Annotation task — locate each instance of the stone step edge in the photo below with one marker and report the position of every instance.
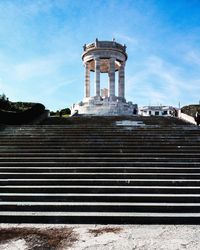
(100, 163)
(100, 168)
(104, 153)
(103, 173)
(109, 180)
(99, 195)
(97, 187)
(101, 214)
(35, 203)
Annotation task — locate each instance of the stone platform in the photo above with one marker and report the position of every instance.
(104, 107)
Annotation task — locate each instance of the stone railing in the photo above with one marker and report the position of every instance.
(105, 44)
(187, 118)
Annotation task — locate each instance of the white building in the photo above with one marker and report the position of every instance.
(158, 111)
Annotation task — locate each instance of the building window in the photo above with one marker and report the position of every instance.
(149, 112)
(156, 112)
(164, 112)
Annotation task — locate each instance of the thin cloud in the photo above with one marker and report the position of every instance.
(39, 67)
(126, 39)
(52, 88)
(161, 82)
(193, 57)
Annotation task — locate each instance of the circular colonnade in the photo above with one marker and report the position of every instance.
(105, 57)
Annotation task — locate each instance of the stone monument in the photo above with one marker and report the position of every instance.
(104, 57)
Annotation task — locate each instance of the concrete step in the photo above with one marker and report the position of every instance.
(100, 197)
(138, 207)
(99, 182)
(81, 163)
(101, 154)
(99, 217)
(98, 160)
(99, 143)
(109, 134)
(101, 150)
(83, 169)
(49, 175)
(99, 189)
(117, 148)
(95, 151)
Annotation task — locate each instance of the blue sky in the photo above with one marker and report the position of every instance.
(41, 45)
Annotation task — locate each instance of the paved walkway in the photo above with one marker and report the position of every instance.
(93, 237)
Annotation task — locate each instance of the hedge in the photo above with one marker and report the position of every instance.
(24, 117)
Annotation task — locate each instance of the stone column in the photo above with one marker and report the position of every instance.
(121, 81)
(112, 78)
(97, 77)
(87, 80)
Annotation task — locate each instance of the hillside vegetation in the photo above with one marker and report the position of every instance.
(6, 105)
(15, 113)
(191, 109)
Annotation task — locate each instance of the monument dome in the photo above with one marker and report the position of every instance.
(104, 57)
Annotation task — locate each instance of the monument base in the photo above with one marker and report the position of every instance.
(104, 107)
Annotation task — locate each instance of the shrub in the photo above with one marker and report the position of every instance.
(22, 117)
(65, 111)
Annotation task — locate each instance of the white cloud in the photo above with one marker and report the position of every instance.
(8, 90)
(36, 79)
(46, 65)
(125, 38)
(51, 89)
(161, 82)
(37, 67)
(31, 8)
(193, 57)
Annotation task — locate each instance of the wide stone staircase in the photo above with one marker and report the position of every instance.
(100, 170)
